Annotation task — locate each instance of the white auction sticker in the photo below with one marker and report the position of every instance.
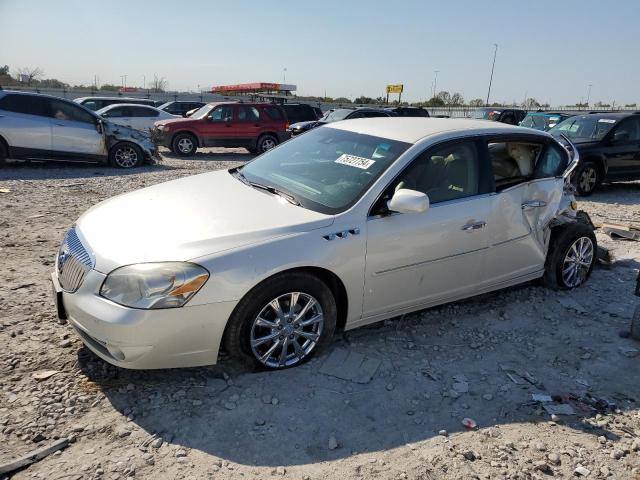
(606, 120)
(353, 161)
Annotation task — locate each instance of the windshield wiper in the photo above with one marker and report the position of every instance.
(268, 188)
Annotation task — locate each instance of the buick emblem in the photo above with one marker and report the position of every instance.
(63, 254)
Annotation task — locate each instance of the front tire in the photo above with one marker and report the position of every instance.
(282, 322)
(571, 256)
(587, 178)
(265, 143)
(125, 155)
(3, 154)
(184, 144)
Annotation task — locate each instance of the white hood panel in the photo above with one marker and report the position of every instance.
(188, 218)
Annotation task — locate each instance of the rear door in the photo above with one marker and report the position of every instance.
(25, 124)
(74, 130)
(143, 118)
(119, 115)
(528, 188)
(249, 124)
(622, 149)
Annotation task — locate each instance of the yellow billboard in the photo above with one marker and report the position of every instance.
(395, 88)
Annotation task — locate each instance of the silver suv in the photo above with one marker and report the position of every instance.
(41, 127)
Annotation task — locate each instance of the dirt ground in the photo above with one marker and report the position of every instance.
(480, 359)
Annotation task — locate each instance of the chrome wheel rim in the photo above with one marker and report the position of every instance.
(588, 179)
(126, 157)
(185, 145)
(268, 144)
(286, 330)
(577, 262)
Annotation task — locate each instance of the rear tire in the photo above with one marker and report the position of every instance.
(255, 319)
(265, 143)
(587, 178)
(125, 155)
(571, 256)
(184, 144)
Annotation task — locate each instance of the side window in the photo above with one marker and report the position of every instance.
(222, 114)
(143, 112)
(444, 173)
(552, 163)
(628, 130)
(31, 105)
(509, 117)
(512, 162)
(274, 113)
(91, 104)
(374, 114)
(67, 111)
(248, 114)
(117, 112)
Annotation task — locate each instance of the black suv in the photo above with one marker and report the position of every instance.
(180, 107)
(512, 116)
(300, 112)
(609, 147)
(337, 114)
(408, 111)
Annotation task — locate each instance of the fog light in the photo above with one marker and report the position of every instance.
(574, 205)
(115, 352)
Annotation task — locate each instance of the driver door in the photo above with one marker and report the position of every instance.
(418, 259)
(217, 128)
(74, 130)
(623, 150)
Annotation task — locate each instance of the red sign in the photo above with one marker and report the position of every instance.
(243, 87)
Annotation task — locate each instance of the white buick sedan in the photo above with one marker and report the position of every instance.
(346, 225)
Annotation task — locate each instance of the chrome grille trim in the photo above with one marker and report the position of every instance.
(73, 262)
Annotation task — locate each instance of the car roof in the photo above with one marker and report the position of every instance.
(32, 94)
(413, 129)
(616, 115)
(118, 105)
(114, 98)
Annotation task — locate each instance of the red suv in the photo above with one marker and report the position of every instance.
(255, 126)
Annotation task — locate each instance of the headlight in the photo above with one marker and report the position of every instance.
(154, 285)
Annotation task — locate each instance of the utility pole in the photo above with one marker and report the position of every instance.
(435, 82)
(588, 94)
(284, 75)
(495, 52)
(144, 81)
(124, 80)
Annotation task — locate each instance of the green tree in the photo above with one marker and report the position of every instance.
(4, 70)
(109, 88)
(364, 100)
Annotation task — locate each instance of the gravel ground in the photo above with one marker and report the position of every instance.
(480, 359)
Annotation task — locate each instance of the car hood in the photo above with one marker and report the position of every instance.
(302, 125)
(184, 122)
(188, 218)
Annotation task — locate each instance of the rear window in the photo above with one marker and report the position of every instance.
(28, 104)
(299, 113)
(274, 113)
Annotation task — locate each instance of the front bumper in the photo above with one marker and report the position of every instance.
(160, 137)
(283, 136)
(144, 339)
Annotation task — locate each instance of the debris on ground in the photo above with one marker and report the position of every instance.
(350, 365)
(33, 456)
(618, 231)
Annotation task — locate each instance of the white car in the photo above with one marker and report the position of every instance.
(140, 117)
(346, 225)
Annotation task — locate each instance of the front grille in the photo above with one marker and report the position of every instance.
(73, 262)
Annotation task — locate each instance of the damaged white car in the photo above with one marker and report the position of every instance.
(349, 224)
(41, 127)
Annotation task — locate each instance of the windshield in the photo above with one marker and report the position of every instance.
(591, 127)
(485, 114)
(201, 112)
(326, 169)
(540, 122)
(336, 115)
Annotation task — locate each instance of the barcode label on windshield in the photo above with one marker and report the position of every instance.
(353, 161)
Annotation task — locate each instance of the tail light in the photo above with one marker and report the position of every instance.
(286, 126)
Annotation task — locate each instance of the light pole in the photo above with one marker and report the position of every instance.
(144, 81)
(284, 75)
(588, 95)
(435, 82)
(495, 52)
(124, 80)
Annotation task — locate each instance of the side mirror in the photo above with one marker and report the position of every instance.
(408, 201)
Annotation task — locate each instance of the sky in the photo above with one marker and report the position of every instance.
(547, 49)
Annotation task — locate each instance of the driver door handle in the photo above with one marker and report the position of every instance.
(534, 204)
(473, 226)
